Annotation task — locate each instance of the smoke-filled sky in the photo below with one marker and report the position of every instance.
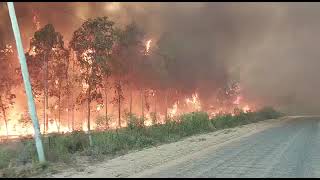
(272, 47)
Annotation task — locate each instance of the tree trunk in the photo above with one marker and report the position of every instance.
(55, 120)
(68, 102)
(5, 121)
(142, 106)
(88, 107)
(4, 116)
(44, 98)
(119, 106)
(106, 103)
(72, 119)
(166, 104)
(155, 108)
(59, 109)
(72, 103)
(106, 108)
(130, 107)
(46, 88)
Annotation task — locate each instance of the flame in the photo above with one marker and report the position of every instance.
(246, 109)
(148, 120)
(173, 111)
(32, 51)
(87, 56)
(99, 107)
(194, 102)
(7, 49)
(148, 46)
(237, 101)
(85, 86)
(187, 105)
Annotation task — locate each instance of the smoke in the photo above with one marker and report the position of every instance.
(272, 48)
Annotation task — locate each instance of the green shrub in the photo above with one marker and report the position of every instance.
(136, 136)
(6, 156)
(268, 113)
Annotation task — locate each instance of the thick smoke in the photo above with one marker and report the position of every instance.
(272, 48)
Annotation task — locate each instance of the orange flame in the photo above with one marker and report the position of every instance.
(148, 43)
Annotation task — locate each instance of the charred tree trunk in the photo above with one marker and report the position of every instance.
(59, 108)
(106, 103)
(130, 107)
(119, 105)
(44, 99)
(72, 118)
(142, 106)
(3, 109)
(166, 104)
(55, 120)
(88, 107)
(68, 102)
(45, 111)
(72, 103)
(106, 113)
(155, 108)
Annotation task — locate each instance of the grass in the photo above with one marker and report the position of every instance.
(63, 148)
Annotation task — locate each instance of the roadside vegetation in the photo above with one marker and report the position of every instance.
(107, 144)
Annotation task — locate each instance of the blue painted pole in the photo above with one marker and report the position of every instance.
(27, 85)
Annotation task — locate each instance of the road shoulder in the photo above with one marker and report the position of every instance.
(146, 161)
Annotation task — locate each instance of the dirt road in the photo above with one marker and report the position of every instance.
(288, 147)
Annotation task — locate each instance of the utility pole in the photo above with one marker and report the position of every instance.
(27, 85)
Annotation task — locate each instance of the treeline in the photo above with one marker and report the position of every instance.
(99, 60)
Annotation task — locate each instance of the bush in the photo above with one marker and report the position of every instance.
(134, 121)
(6, 157)
(268, 113)
(134, 137)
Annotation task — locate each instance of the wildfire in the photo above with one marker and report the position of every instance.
(173, 111)
(237, 101)
(246, 109)
(148, 43)
(32, 51)
(148, 121)
(99, 107)
(7, 49)
(87, 56)
(194, 102)
(85, 86)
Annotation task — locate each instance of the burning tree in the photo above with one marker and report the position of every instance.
(93, 43)
(8, 80)
(125, 58)
(43, 52)
(60, 63)
(167, 49)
